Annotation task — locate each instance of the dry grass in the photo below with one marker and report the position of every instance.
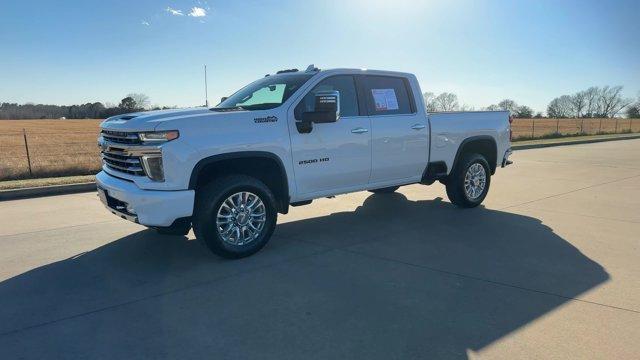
(68, 147)
(29, 183)
(56, 148)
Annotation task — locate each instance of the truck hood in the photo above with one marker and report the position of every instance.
(149, 120)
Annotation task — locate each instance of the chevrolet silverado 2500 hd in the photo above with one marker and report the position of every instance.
(287, 139)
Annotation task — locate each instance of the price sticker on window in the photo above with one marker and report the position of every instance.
(385, 99)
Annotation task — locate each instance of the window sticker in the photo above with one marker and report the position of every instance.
(385, 99)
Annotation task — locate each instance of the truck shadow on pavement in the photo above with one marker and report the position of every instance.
(393, 279)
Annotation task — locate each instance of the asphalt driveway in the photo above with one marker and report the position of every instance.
(547, 269)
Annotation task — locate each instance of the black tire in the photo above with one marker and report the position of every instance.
(208, 201)
(386, 190)
(180, 227)
(455, 183)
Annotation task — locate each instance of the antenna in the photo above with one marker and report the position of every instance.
(206, 95)
(311, 68)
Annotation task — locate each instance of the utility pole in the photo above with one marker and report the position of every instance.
(206, 95)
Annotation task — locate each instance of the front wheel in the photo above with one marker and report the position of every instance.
(235, 216)
(469, 182)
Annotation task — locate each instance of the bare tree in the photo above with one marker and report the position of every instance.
(560, 107)
(446, 102)
(509, 105)
(633, 110)
(611, 101)
(579, 102)
(128, 104)
(524, 112)
(141, 100)
(592, 95)
(429, 101)
(492, 107)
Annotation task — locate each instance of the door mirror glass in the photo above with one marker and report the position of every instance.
(326, 110)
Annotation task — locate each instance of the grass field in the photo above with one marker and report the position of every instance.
(56, 148)
(69, 147)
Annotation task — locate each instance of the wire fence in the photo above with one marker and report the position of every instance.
(35, 153)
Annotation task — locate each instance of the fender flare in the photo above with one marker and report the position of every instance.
(471, 139)
(203, 163)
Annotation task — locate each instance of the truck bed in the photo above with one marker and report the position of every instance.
(450, 129)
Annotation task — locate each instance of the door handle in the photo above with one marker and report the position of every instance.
(359, 130)
(418, 126)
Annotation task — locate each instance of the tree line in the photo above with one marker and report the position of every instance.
(447, 101)
(594, 102)
(97, 110)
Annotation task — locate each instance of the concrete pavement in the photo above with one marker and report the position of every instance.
(547, 269)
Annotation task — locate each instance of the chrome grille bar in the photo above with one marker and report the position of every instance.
(121, 137)
(122, 152)
(119, 158)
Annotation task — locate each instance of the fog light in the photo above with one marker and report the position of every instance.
(153, 167)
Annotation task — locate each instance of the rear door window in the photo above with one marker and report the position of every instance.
(387, 95)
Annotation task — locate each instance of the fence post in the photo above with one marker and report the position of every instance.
(630, 125)
(582, 126)
(558, 126)
(533, 128)
(26, 147)
(616, 131)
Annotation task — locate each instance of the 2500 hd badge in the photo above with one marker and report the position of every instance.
(311, 161)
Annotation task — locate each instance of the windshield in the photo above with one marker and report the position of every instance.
(266, 93)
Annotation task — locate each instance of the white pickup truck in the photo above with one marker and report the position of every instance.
(287, 139)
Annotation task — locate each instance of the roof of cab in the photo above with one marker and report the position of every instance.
(367, 71)
(345, 71)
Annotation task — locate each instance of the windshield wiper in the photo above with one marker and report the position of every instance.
(233, 108)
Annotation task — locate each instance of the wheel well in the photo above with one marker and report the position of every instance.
(267, 169)
(483, 145)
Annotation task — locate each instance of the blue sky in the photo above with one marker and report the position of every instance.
(66, 52)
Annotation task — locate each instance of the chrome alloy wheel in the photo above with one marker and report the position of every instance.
(241, 218)
(475, 181)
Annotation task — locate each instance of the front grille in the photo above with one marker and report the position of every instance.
(120, 137)
(120, 161)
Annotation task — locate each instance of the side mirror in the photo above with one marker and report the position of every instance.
(327, 108)
(223, 98)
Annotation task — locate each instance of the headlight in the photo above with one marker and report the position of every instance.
(159, 136)
(152, 165)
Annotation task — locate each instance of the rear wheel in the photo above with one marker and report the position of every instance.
(386, 190)
(235, 216)
(468, 185)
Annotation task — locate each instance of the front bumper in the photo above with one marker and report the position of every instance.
(146, 207)
(505, 158)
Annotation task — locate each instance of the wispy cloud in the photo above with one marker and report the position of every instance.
(145, 23)
(173, 11)
(198, 12)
